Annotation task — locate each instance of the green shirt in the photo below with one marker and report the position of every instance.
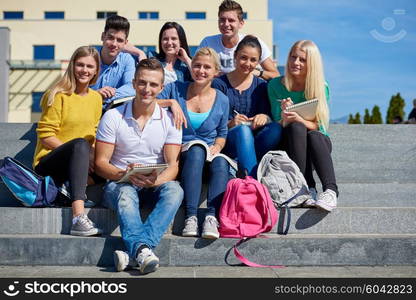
(276, 91)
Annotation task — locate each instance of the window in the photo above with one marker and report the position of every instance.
(146, 48)
(195, 15)
(192, 49)
(36, 97)
(44, 52)
(54, 15)
(12, 15)
(105, 14)
(154, 15)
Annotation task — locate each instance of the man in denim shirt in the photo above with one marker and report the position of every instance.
(117, 67)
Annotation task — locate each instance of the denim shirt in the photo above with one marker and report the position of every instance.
(181, 69)
(118, 75)
(214, 126)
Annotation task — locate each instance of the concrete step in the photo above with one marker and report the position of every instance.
(343, 220)
(291, 250)
(391, 194)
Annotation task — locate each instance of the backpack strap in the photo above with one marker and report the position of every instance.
(247, 262)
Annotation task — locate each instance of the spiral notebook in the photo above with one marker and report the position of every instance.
(144, 169)
(306, 110)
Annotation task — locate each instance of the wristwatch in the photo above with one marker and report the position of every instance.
(260, 73)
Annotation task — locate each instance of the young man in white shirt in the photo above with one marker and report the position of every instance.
(230, 21)
(140, 132)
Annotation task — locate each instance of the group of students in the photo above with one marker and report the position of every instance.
(219, 96)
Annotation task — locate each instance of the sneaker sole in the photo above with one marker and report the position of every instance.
(118, 263)
(150, 267)
(86, 233)
(324, 206)
(189, 234)
(210, 235)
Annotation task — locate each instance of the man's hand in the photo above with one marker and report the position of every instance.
(107, 92)
(144, 180)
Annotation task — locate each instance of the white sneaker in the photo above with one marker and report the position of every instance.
(327, 200)
(311, 202)
(210, 228)
(191, 227)
(122, 261)
(147, 261)
(83, 226)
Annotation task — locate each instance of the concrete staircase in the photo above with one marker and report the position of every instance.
(374, 224)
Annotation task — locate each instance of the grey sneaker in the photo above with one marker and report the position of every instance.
(210, 228)
(147, 261)
(84, 227)
(122, 261)
(312, 201)
(327, 200)
(191, 227)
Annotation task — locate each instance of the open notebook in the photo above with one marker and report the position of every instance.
(144, 169)
(306, 110)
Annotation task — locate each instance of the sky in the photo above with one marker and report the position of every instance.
(368, 48)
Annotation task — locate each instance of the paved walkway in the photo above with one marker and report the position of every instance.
(210, 272)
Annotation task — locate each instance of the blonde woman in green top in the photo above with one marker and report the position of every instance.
(306, 142)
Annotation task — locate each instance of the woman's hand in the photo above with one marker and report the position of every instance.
(285, 103)
(238, 120)
(178, 115)
(259, 120)
(290, 117)
(183, 56)
(214, 149)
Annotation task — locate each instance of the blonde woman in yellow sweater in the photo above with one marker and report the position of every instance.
(66, 133)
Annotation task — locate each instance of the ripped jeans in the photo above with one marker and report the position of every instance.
(125, 198)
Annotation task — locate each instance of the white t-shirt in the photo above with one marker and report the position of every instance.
(227, 54)
(133, 145)
(170, 76)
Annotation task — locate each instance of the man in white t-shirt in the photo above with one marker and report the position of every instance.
(230, 21)
(136, 133)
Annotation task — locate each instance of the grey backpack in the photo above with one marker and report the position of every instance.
(286, 184)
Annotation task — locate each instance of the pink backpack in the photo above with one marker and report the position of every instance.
(246, 211)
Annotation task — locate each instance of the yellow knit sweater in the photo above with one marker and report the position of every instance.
(69, 117)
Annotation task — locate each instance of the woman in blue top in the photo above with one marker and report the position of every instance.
(206, 113)
(307, 142)
(174, 53)
(251, 132)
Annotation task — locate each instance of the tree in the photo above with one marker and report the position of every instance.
(351, 119)
(367, 117)
(376, 115)
(396, 108)
(357, 119)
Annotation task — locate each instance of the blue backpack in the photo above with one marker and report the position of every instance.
(29, 188)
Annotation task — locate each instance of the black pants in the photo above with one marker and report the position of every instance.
(310, 149)
(68, 162)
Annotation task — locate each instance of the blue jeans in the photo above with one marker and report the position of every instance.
(193, 165)
(125, 198)
(249, 146)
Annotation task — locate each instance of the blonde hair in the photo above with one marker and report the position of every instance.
(315, 80)
(207, 51)
(67, 84)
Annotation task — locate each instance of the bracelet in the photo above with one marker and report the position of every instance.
(261, 73)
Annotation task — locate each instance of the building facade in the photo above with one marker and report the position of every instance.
(44, 34)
